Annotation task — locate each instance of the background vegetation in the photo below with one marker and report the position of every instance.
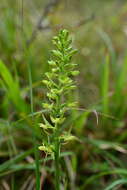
(99, 32)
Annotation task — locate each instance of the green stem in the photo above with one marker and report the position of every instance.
(57, 164)
(36, 154)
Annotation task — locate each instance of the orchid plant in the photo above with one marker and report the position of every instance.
(59, 82)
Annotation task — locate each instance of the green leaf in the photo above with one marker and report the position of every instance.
(105, 86)
(116, 183)
(12, 87)
(15, 160)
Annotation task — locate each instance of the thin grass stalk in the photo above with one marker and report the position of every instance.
(57, 164)
(36, 154)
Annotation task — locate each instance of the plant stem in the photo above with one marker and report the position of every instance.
(57, 165)
(36, 154)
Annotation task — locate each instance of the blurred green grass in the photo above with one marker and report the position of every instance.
(99, 162)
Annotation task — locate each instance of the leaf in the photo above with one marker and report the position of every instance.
(91, 179)
(120, 85)
(116, 183)
(80, 121)
(15, 160)
(8, 168)
(107, 145)
(105, 86)
(12, 87)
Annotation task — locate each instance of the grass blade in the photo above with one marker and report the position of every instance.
(36, 152)
(105, 86)
(90, 180)
(116, 183)
(16, 159)
(12, 87)
(120, 85)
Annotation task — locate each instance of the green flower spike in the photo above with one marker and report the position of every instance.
(59, 82)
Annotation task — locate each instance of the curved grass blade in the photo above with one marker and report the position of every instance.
(15, 160)
(117, 171)
(116, 183)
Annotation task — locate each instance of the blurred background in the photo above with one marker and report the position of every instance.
(99, 32)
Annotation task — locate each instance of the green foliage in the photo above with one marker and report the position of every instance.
(119, 89)
(12, 87)
(116, 183)
(105, 86)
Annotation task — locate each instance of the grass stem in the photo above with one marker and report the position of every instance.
(57, 165)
